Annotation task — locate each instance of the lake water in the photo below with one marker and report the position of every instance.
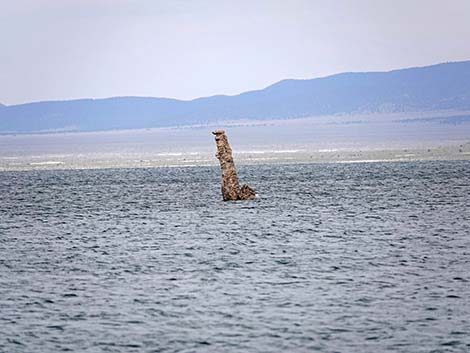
(367, 257)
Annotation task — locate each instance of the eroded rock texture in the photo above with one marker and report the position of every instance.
(231, 189)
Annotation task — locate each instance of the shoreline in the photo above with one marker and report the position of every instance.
(459, 152)
(329, 139)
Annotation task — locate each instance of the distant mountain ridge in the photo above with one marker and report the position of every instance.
(437, 87)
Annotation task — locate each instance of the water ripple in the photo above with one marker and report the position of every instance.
(333, 258)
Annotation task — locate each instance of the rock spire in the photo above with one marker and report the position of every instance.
(231, 189)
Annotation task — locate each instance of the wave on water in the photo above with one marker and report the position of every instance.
(267, 151)
(46, 163)
(366, 258)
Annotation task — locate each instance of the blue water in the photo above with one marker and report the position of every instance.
(330, 257)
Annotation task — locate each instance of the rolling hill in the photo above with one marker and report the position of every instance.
(432, 88)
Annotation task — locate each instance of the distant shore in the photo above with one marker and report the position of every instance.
(459, 151)
(333, 139)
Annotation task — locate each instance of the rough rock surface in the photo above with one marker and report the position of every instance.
(231, 189)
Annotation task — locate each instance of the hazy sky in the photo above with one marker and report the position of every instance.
(62, 49)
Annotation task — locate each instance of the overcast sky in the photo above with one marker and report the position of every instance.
(63, 49)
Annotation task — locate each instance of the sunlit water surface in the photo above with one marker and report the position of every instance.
(334, 258)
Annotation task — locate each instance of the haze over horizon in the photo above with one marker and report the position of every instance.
(56, 50)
